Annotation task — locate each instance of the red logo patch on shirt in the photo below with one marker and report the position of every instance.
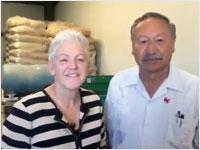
(167, 100)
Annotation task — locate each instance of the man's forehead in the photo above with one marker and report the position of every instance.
(152, 21)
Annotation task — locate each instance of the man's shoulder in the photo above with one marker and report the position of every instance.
(185, 80)
(186, 76)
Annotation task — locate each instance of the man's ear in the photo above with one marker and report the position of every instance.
(133, 52)
(173, 47)
(51, 68)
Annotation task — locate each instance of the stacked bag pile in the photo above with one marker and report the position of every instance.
(26, 41)
(56, 26)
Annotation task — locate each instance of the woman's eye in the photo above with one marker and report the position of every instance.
(63, 60)
(81, 59)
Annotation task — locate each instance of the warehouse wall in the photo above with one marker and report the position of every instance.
(110, 24)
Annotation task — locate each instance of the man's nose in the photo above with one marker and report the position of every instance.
(152, 47)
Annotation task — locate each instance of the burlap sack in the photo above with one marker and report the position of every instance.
(92, 54)
(28, 54)
(31, 49)
(18, 20)
(26, 45)
(24, 60)
(92, 70)
(56, 26)
(92, 47)
(22, 29)
(26, 38)
(91, 40)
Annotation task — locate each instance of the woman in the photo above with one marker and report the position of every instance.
(63, 115)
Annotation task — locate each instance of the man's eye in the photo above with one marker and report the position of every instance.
(142, 41)
(159, 40)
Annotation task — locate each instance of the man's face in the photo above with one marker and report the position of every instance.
(153, 45)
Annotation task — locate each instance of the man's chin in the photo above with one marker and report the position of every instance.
(153, 69)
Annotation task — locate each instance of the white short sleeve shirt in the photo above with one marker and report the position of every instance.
(167, 120)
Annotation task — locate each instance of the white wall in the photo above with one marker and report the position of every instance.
(110, 23)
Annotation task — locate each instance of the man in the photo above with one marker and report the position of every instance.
(153, 105)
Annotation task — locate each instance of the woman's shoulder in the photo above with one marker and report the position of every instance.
(31, 99)
(89, 95)
(86, 92)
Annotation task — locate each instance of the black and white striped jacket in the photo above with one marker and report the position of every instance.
(35, 122)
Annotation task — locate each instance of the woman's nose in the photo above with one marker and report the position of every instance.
(72, 64)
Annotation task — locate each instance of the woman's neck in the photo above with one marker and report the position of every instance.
(64, 97)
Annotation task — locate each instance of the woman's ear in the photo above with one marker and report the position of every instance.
(51, 68)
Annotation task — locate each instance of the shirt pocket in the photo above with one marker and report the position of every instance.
(181, 132)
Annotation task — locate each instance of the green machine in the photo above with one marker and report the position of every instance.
(99, 84)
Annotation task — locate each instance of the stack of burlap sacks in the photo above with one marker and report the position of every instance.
(27, 40)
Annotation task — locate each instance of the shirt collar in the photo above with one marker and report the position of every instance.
(132, 76)
(172, 82)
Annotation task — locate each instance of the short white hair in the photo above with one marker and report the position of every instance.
(67, 36)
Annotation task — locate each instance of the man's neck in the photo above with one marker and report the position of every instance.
(153, 80)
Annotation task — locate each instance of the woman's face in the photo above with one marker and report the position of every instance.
(70, 65)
